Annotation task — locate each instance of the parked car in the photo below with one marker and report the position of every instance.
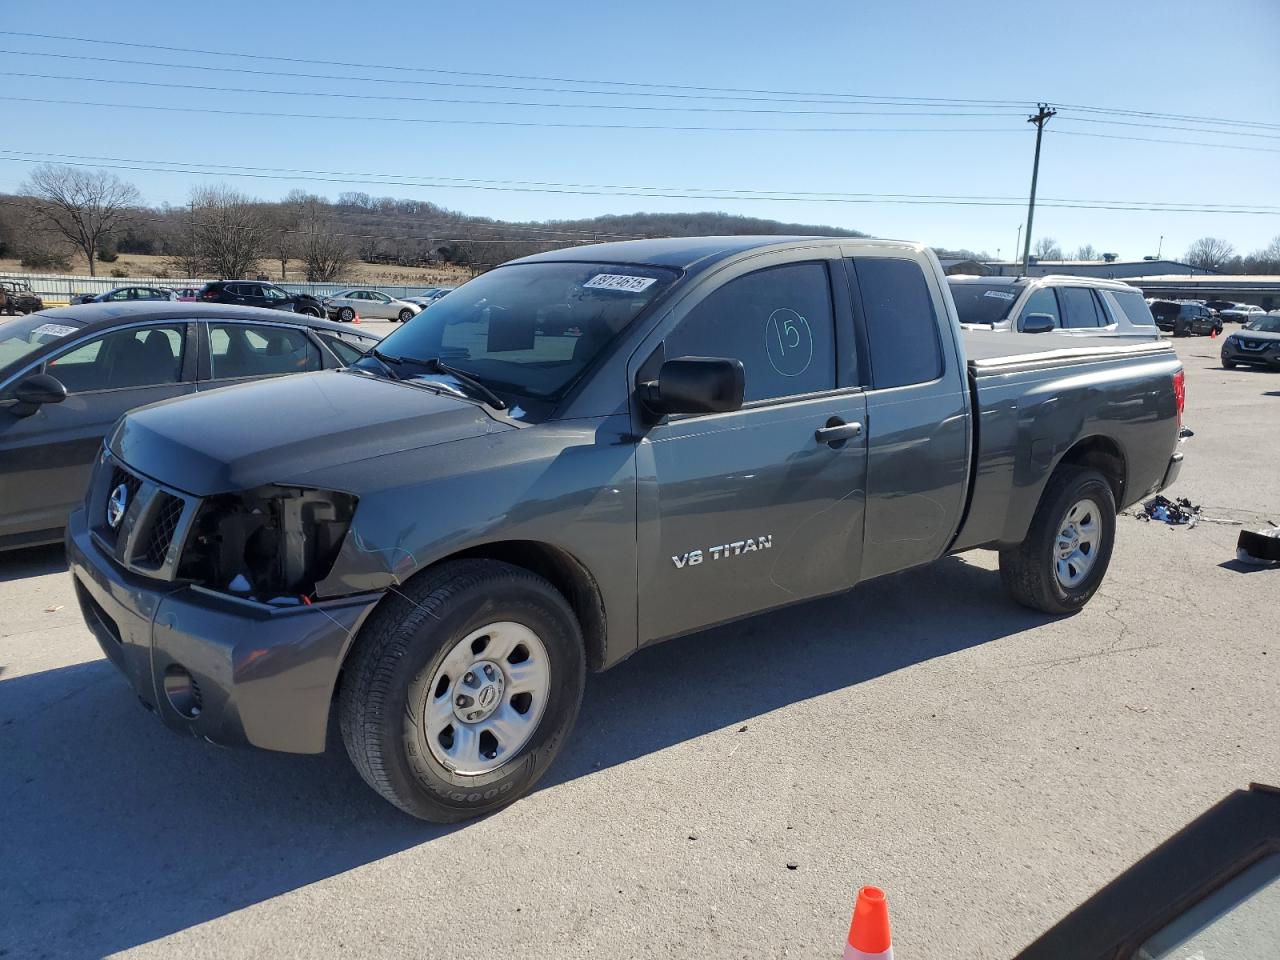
(120, 294)
(188, 294)
(1256, 344)
(67, 374)
(16, 296)
(1185, 317)
(1072, 306)
(442, 539)
(1217, 306)
(258, 293)
(345, 305)
(430, 296)
(1242, 313)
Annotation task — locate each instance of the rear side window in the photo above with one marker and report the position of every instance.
(1134, 307)
(777, 321)
(1080, 306)
(902, 327)
(1045, 301)
(138, 357)
(239, 350)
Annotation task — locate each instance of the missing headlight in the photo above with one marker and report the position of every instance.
(269, 542)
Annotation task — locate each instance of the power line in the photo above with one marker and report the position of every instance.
(502, 123)
(1166, 126)
(628, 88)
(854, 98)
(724, 193)
(1184, 143)
(892, 199)
(505, 103)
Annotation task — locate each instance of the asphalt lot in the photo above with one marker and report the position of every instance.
(723, 794)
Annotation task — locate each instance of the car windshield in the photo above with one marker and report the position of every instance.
(1267, 324)
(983, 303)
(530, 329)
(22, 337)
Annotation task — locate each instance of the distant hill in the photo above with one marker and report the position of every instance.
(705, 223)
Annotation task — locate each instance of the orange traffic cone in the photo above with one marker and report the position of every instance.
(1213, 333)
(869, 930)
(356, 318)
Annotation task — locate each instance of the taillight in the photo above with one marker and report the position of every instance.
(1180, 392)
(210, 294)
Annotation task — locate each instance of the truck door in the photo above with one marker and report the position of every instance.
(918, 430)
(756, 508)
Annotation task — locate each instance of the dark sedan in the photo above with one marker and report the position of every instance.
(1257, 344)
(126, 295)
(66, 375)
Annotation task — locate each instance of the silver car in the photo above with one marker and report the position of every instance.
(346, 305)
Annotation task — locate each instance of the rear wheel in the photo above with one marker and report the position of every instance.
(461, 689)
(1060, 563)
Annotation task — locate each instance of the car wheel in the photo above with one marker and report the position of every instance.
(406, 315)
(461, 689)
(1060, 563)
(346, 315)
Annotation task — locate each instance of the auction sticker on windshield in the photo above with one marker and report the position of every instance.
(52, 330)
(999, 294)
(619, 281)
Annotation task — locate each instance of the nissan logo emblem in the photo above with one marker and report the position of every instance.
(117, 503)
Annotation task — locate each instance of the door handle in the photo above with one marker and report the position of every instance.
(837, 432)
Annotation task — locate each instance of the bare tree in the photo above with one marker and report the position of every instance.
(231, 234)
(1086, 251)
(322, 247)
(84, 206)
(1047, 248)
(1208, 252)
(1268, 258)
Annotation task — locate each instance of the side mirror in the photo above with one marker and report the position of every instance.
(35, 391)
(1038, 323)
(696, 385)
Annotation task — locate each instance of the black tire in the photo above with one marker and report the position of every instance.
(1228, 365)
(406, 315)
(346, 315)
(1027, 570)
(395, 656)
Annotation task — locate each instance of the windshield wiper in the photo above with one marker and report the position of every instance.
(440, 366)
(384, 360)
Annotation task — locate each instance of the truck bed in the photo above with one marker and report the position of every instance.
(1002, 353)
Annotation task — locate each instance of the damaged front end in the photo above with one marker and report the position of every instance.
(268, 544)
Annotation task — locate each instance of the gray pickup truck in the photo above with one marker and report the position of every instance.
(573, 456)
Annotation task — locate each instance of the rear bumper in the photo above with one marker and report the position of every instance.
(1171, 471)
(265, 675)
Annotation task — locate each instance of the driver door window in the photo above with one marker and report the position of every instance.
(128, 358)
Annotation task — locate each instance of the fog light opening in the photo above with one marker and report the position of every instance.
(182, 691)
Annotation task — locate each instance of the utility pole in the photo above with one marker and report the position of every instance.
(1017, 243)
(1160, 246)
(1040, 119)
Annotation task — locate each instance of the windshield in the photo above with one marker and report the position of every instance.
(530, 329)
(984, 303)
(22, 337)
(1267, 324)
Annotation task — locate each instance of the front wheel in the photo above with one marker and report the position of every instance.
(1228, 365)
(346, 315)
(461, 689)
(406, 315)
(1060, 563)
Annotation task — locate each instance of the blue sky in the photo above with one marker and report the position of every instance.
(1203, 59)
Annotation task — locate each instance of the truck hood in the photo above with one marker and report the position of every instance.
(241, 437)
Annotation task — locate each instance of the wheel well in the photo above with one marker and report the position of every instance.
(566, 574)
(1101, 454)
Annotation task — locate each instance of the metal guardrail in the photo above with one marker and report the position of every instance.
(62, 287)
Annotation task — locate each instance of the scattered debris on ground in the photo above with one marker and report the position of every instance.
(1180, 512)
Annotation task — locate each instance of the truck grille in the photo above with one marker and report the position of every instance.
(154, 520)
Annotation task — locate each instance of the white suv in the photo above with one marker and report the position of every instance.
(1079, 306)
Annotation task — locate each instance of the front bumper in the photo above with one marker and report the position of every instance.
(1268, 357)
(265, 675)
